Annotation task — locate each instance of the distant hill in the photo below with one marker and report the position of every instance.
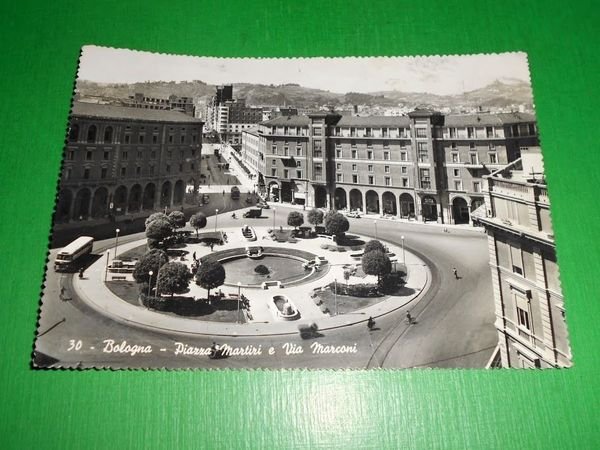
(499, 94)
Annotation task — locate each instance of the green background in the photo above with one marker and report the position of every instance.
(295, 409)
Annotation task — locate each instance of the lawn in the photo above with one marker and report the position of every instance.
(220, 311)
(345, 303)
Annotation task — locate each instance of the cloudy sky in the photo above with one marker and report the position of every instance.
(434, 74)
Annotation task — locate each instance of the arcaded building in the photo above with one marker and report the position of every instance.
(121, 160)
(530, 313)
(424, 166)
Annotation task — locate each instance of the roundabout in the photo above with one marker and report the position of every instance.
(448, 313)
(304, 273)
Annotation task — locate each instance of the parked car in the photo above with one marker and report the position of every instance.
(354, 214)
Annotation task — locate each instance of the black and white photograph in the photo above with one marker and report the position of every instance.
(301, 213)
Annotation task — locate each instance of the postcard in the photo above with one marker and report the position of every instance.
(310, 213)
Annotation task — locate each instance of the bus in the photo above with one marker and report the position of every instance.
(235, 193)
(68, 256)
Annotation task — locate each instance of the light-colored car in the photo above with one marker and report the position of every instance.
(354, 214)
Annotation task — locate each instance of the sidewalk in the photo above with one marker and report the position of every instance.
(95, 293)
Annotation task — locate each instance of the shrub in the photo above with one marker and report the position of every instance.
(295, 219)
(336, 224)
(261, 269)
(376, 263)
(390, 283)
(173, 278)
(177, 219)
(198, 221)
(152, 217)
(159, 229)
(151, 261)
(315, 217)
(157, 303)
(374, 245)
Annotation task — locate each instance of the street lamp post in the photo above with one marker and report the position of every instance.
(239, 285)
(116, 242)
(274, 210)
(375, 223)
(403, 254)
(150, 282)
(335, 295)
(216, 218)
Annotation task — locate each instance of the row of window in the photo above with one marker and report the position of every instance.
(371, 179)
(89, 155)
(473, 158)
(370, 167)
(91, 135)
(123, 172)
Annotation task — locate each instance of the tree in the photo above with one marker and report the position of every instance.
(152, 217)
(198, 221)
(173, 278)
(376, 263)
(374, 245)
(151, 261)
(295, 219)
(177, 219)
(210, 275)
(336, 224)
(159, 229)
(315, 217)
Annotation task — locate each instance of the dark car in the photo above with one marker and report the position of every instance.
(253, 213)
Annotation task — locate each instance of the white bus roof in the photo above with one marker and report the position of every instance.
(76, 245)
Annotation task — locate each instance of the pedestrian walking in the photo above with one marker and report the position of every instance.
(194, 256)
(455, 272)
(409, 318)
(212, 245)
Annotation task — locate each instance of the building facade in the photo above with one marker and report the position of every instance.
(172, 103)
(530, 314)
(230, 117)
(121, 160)
(424, 165)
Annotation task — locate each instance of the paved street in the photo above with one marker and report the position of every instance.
(454, 329)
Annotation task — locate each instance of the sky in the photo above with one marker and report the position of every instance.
(444, 75)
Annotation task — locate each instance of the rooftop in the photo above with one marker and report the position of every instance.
(374, 121)
(290, 121)
(487, 119)
(128, 113)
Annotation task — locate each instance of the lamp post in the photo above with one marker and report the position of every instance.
(239, 285)
(150, 282)
(335, 295)
(274, 210)
(216, 218)
(403, 254)
(375, 223)
(116, 242)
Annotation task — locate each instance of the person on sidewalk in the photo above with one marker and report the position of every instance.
(409, 318)
(455, 272)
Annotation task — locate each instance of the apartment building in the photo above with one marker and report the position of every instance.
(425, 165)
(530, 314)
(121, 160)
(173, 102)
